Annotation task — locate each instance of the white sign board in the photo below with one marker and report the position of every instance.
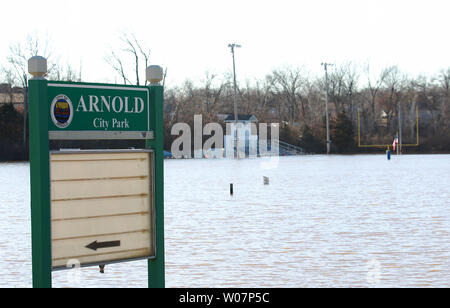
(102, 206)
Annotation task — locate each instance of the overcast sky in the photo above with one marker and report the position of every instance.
(191, 37)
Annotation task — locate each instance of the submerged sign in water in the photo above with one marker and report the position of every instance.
(96, 107)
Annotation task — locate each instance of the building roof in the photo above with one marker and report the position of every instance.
(241, 118)
(7, 88)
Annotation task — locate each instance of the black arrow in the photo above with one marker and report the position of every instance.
(96, 245)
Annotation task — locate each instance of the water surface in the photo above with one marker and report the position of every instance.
(337, 221)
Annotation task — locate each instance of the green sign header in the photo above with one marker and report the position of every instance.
(97, 107)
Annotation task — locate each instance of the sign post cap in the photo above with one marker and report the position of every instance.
(37, 66)
(154, 74)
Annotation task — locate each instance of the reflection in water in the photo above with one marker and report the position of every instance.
(338, 221)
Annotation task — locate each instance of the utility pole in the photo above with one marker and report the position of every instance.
(325, 65)
(25, 112)
(400, 128)
(396, 137)
(236, 137)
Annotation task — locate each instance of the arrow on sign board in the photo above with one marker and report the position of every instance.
(96, 245)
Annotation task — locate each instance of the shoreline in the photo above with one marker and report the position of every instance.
(314, 154)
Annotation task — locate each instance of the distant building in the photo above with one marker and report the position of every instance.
(248, 139)
(14, 95)
(222, 116)
(242, 118)
(382, 121)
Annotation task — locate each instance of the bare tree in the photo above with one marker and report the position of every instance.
(211, 92)
(140, 55)
(343, 84)
(444, 80)
(8, 76)
(352, 89)
(370, 95)
(261, 95)
(116, 63)
(373, 86)
(65, 73)
(288, 84)
(19, 53)
(393, 83)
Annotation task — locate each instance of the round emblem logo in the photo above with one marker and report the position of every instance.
(61, 111)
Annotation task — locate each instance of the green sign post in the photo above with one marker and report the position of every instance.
(86, 111)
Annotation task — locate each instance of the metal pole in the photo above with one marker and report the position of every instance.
(400, 127)
(417, 124)
(25, 112)
(397, 142)
(156, 267)
(326, 107)
(236, 137)
(40, 176)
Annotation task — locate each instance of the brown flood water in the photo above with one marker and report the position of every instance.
(338, 221)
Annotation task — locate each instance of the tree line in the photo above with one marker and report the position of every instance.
(357, 101)
(361, 103)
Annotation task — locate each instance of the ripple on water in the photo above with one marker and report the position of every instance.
(335, 221)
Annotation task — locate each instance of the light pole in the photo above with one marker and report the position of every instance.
(236, 138)
(25, 112)
(326, 104)
(400, 127)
